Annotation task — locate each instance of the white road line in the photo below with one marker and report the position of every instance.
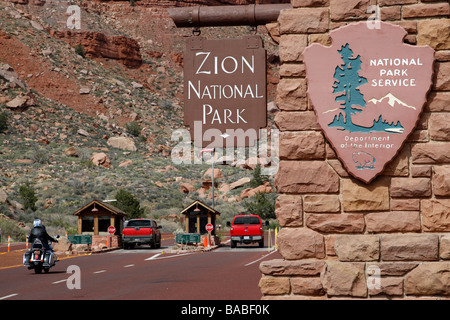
(64, 280)
(129, 266)
(6, 297)
(167, 257)
(261, 258)
(100, 271)
(153, 257)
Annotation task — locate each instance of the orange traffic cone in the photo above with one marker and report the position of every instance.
(205, 241)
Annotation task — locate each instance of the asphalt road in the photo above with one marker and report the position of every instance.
(144, 274)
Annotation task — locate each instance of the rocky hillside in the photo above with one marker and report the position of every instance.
(68, 94)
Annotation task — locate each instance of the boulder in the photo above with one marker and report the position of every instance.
(187, 187)
(123, 143)
(101, 159)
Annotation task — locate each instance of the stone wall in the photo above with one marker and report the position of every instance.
(340, 236)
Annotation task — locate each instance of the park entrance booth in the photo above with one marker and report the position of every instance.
(198, 215)
(94, 219)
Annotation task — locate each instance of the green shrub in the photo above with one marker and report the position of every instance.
(133, 128)
(41, 156)
(28, 196)
(80, 50)
(3, 122)
(10, 228)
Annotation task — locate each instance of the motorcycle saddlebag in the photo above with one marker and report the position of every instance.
(49, 259)
(26, 258)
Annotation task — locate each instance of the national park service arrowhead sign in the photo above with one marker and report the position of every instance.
(368, 90)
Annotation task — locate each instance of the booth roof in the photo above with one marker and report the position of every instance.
(105, 205)
(197, 202)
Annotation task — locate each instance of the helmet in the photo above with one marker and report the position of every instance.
(37, 223)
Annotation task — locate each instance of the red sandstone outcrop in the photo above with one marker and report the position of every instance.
(97, 44)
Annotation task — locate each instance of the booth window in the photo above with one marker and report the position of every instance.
(87, 224)
(103, 223)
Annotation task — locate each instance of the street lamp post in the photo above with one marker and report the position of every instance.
(212, 167)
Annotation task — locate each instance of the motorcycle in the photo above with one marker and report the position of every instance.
(39, 258)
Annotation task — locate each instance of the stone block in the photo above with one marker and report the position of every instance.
(289, 210)
(405, 204)
(307, 286)
(431, 153)
(306, 177)
(357, 247)
(335, 223)
(426, 10)
(292, 70)
(357, 196)
(291, 47)
(444, 247)
(435, 33)
(429, 279)
(304, 20)
(305, 145)
(274, 285)
(349, 9)
(441, 80)
(398, 269)
(441, 180)
(393, 2)
(322, 203)
(409, 247)
(300, 243)
(436, 215)
(388, 286)
(438, 102)
(296, 121)
(410, 187)
(310, 3)
(344, 279)
(439, 128)
(394, 221)
(281, 267)
(291, 94)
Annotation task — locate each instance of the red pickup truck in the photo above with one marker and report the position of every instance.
(141, 231)
(247, 229)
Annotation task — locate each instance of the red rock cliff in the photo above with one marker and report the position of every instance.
(99, 45)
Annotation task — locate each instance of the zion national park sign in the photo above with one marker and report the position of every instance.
(368, 90)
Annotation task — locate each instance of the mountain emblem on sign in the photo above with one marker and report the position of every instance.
(368, 90)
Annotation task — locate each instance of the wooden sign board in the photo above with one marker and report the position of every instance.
(225, 97)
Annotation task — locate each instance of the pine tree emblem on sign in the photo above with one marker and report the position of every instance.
(368, 90)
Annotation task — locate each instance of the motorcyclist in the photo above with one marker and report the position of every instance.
(39, 232)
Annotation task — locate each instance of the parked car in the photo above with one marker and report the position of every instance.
(246, 229)
(141, 231)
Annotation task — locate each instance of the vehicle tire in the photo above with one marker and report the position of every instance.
(233, 244)
(37, 270)
(261, 244)
(46, 270)
(153, 244)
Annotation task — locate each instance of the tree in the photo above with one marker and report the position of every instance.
(261, 205)
(28, 196)
(258, 179)
(347, 82)
(129, 204)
